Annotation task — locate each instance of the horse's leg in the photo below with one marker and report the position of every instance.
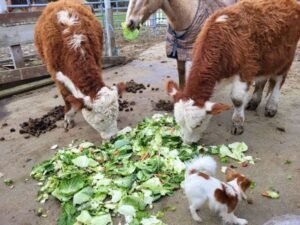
(181, 72)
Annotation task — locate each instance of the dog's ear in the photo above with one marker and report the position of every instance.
(244, 182)
(230, 174)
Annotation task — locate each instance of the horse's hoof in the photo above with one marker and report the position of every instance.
(270, 112)
(252, 105)
(237, 129)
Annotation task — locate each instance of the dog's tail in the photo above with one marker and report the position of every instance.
(205, 164)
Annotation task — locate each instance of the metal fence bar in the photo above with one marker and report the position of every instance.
(3, 6)
(110, 37)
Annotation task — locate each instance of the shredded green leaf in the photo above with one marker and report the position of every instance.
(8, 182)
(252, 185)
(123, 176)
(287, 162)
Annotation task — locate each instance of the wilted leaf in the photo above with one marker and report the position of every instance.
(271, 194)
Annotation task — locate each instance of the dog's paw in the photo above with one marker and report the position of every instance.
(242, 222)
(197, 218)
(194, 214)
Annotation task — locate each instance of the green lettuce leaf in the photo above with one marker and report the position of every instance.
(86, 219)
(155, 186)
(84, 161)
(125, 182)
(39, 171)
(68, 215)
(129, 35)
(70, 186)
(102, 220)
(136, 202)
(83, 196)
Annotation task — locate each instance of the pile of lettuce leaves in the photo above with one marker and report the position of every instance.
(123, 176)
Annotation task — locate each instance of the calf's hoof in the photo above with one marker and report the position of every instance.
(69, 124)
(252, 105)
(270, 112)
(237, 129)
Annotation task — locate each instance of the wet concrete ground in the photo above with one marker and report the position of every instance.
(265, 141)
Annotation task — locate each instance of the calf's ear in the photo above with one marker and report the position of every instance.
(76, 103)
(172, 88)
(121, 88)
(216, 108)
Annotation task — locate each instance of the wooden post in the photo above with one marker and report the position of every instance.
(17, 56)
(110, 36)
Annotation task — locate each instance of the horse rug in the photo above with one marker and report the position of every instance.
(180, 46)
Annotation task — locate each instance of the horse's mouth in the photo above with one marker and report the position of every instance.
(132, 25)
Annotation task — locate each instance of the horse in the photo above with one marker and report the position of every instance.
(185, 18)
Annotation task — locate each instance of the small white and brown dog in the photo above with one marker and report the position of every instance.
(223, 197)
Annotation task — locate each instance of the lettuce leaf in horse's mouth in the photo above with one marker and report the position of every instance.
(128, 34)
(123, 176)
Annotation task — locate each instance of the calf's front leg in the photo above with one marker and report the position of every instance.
(70, 112)
(72, 105)
(239, 97)
(69, 118)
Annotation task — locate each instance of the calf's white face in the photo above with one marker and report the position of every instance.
(192, 118)
(104, 114)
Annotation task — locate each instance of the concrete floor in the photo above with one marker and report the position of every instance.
(272, 147)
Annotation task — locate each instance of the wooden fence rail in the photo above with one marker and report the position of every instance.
(17, 29)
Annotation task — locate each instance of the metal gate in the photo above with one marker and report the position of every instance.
(111, 13)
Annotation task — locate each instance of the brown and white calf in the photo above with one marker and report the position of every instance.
(251, 41)
(69, 39)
